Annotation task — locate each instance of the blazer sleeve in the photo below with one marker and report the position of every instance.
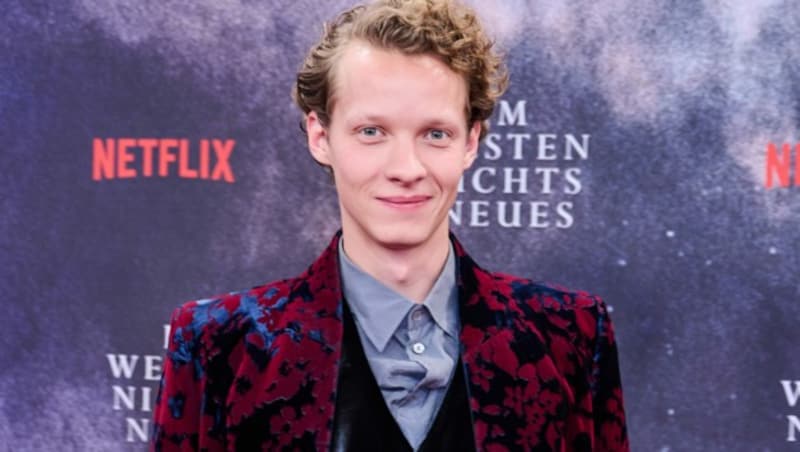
(610, 430)
(180, 420)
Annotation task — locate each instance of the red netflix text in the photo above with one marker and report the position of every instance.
(779, 165)
(126, 158)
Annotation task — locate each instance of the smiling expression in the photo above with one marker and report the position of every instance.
(398, 143)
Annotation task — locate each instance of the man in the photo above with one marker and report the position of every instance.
(394, 338)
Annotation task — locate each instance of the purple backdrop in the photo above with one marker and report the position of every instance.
(629, 158)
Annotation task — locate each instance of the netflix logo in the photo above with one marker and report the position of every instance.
(127, 158)
(779, 165)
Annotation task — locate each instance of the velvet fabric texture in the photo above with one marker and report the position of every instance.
(258, 370)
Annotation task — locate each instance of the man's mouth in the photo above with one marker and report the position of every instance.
(405, 201)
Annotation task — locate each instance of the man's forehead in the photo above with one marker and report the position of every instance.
(369, 73)
(360, 51)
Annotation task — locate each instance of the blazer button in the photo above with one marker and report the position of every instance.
(418, 348)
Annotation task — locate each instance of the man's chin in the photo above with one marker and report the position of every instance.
(402, 239)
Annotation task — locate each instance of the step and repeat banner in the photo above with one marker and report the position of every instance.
(646, 152)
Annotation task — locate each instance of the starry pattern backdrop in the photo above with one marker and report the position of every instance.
(673, 225)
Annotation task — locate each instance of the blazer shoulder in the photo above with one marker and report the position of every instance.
(546, 296)
(228, 314)
(553, 308)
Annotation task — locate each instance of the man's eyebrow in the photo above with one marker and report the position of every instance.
(448, 122)
(365, 117)
(432, 121)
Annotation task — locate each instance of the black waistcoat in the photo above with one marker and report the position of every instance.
(362, 421)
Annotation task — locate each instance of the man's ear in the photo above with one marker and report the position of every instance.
(473, 139)
(318, 139)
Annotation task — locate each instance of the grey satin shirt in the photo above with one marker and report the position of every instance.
(411, 348)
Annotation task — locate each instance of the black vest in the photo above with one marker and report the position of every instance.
(362, 421)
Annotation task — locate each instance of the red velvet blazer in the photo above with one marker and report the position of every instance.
(257, 370)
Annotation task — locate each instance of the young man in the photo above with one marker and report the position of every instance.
(394, 338)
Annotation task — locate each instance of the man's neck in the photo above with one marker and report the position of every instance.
(411, 272)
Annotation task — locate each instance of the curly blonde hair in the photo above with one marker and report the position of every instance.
(444, 28)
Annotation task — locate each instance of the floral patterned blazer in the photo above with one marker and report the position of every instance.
(257, 370)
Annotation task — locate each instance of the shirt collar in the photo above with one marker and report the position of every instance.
(380, 310)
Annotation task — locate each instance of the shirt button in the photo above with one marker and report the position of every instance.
(417, 315)
(418, 348)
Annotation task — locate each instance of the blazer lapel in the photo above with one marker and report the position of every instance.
(310, 360)
(517, 396)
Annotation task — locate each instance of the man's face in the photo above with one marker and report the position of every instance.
(397, 142)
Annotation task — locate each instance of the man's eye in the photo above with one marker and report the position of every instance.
(370, 131)
(437, 134)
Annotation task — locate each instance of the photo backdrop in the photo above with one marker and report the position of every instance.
(646, 152)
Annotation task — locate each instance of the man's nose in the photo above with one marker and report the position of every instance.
(403, 163)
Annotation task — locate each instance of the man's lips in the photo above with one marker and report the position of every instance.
(404, 200)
